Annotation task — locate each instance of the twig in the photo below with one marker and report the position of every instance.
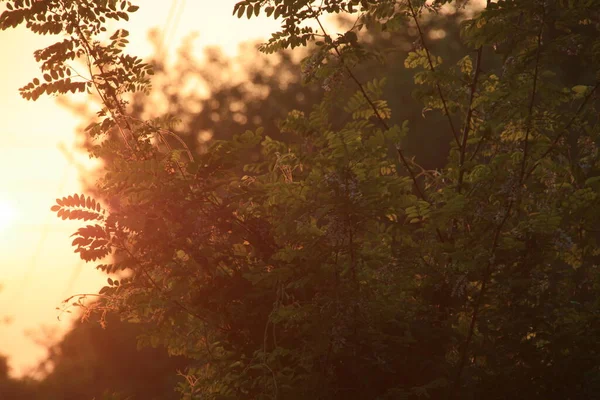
(432, 68)
(531, 104)
(403, 159)
(465, 135)
(89, 54)
(478, 302)
(563, 131)
(377, 114)
(165, 295)
(161, 132)
(489, 268)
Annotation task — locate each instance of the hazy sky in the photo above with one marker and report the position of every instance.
(38, 163)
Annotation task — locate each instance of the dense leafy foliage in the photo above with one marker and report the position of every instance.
(335, 266)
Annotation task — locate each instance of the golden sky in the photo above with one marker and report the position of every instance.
(39, 162)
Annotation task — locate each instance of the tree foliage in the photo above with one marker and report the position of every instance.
(93, 361)
(18, 389)
(335, 266)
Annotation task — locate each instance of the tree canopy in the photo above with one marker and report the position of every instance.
(334, 265)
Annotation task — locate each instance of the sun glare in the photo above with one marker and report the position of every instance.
(7, 214)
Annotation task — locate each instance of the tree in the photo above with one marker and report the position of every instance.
(336, 267)
(92, 361)
(11, 388)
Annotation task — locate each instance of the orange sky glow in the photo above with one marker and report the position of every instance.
(39, 162)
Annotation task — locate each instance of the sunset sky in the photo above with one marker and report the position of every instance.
(39, 162)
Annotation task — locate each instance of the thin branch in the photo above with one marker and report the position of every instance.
(489, 268)
(111, 93)
(531, 103)
(89, 56)
(162, 132)
(432, 68)
(563, 131)
(77, 74)
(377, 114)
(465, 135)
(161, 291)
(454, 394)
(403, 159)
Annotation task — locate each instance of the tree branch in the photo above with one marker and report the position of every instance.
(465, 135)
(478, 302)
(432, 68)
(531, 104)
(377, 114)
(563, 131)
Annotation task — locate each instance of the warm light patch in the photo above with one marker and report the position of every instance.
(7, 214)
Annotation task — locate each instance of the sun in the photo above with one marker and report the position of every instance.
(7, 214)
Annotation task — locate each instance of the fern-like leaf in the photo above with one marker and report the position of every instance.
(78, 207)
(93, 242)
